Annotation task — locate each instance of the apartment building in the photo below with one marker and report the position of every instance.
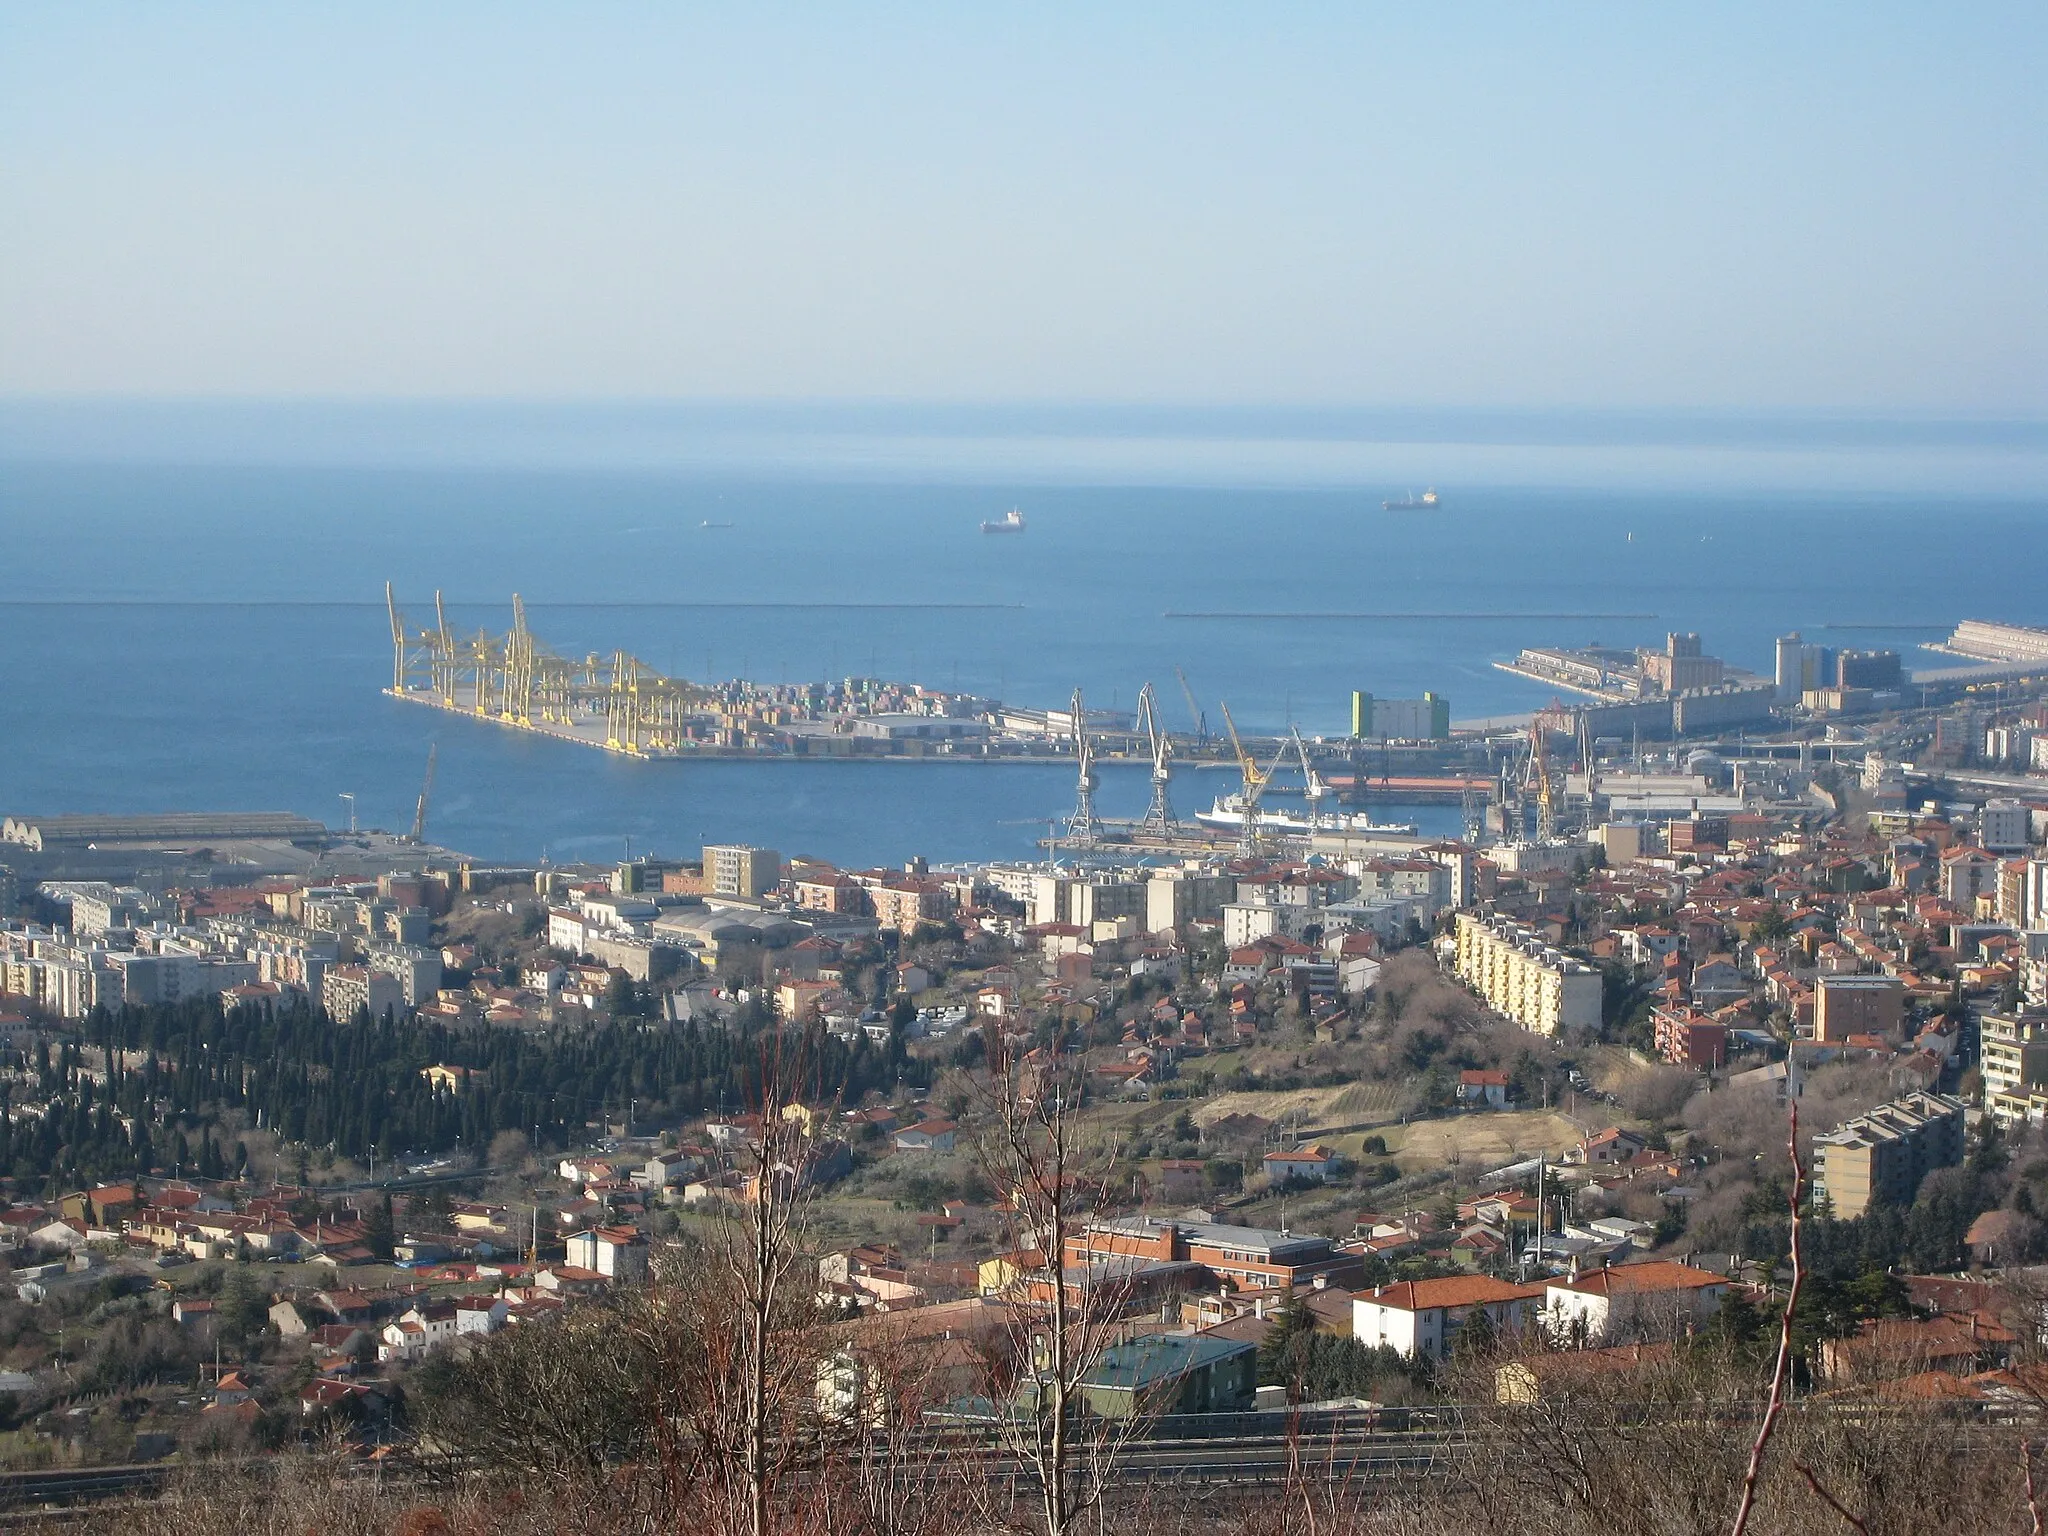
(1688, 1038)
(904, 901)
(1858, 1005)
(1519, 975)
(740, 869)
(2013, 1050)
(345, 988)
(1881, 1157)
(1176, 898)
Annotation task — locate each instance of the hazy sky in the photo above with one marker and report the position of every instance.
(1832, 207)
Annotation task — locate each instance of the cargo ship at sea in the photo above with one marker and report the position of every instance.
(1426, 502)
(1011, 521)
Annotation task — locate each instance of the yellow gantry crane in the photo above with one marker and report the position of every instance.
(1539, 774)
(1255, 781)
(516, 679)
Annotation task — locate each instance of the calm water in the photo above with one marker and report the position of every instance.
(192, 636)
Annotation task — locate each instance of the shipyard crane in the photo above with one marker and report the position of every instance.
(1539, 780)
(419, 815)
(1081, 827)
(1313, 787)
(1195, 711)
(1255, 781)
(1159, 815)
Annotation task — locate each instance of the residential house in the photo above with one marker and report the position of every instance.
(1656, 1299)
(1479, 1089)
(1424, 1317)
(617, 1253)
(927, 1136)
(1311, 1164)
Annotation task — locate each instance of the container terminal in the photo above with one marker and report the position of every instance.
(1399, 752)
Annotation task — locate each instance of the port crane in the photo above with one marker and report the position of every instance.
(1255, 781)
(1539, 780)
(1081, 826)
(1195, 711)
(1313, 787)
(1158, 815)
(516, 679)
(419, 815)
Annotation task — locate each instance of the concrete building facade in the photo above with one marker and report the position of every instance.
(739, 869)
(1880, 1158)
(1519, 975)
(1857, 1005)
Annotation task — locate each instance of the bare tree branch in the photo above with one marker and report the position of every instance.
(1775, 1405)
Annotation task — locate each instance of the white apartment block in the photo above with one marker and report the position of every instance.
(1520, 975)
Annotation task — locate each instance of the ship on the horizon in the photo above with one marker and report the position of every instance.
(1426, 502)
(1227, 815)
(1011, 521)
(707, 523)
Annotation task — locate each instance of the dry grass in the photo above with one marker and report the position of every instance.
(1345, 1104)
(1480, 1141)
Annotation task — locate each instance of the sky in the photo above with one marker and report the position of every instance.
(1772, 206)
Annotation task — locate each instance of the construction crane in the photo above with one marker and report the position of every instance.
(1081, 827)
(1539, 780)
(1313, 787)
(1255, 781)
(1158, 815)
(1195, 711)
(419, 814)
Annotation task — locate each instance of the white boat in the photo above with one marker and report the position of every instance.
(1011, 521)
(1227, 815)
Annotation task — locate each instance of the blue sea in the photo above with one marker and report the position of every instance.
(191, 598)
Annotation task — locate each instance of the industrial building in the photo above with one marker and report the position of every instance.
(1425, 719)
(189, 829)
(1519, 975)
(1982, 640)
(1880, 1158)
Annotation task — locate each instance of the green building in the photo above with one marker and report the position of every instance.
(1173, 1373)
(1425, 719)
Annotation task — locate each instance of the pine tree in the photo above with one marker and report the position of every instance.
(382, 1232)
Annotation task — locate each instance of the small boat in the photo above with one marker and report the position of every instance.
(707, 523)
(1426, 502)
(1011, 521)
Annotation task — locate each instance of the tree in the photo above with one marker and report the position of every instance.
(562, 1401)
(730, 1329)
(1032, 1154)
(1279, 1358)
(381, 1233)
(243, 1311)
